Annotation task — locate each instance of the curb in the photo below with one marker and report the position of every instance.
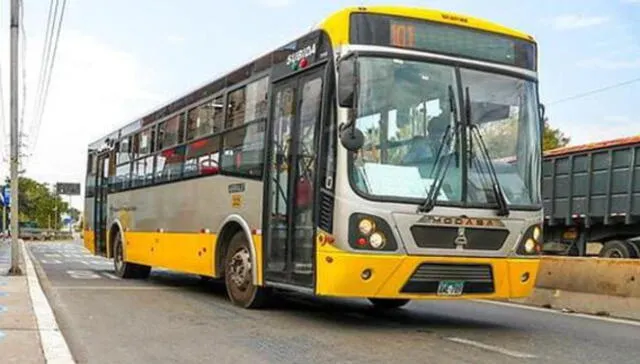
(62, 315)
(54, 346)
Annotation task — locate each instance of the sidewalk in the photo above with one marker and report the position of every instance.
(20, 332)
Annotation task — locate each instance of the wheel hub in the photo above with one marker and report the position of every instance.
(117, 258)
(240, 269)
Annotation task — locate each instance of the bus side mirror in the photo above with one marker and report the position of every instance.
(351, 137)
(347, 78)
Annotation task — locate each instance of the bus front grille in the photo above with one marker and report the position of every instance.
(441, 237)
(477, 278)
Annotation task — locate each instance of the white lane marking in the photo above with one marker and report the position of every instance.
(551, 311)
(54, 346)
(497, 349)
(110, 276)
(83, 274)
(101, 262)
(119, 288)
(50, 261)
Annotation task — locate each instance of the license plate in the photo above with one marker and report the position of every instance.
(450, 288)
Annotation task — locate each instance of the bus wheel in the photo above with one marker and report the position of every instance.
(124, 269)
(618, 249)
(388, 303)
(238, 275)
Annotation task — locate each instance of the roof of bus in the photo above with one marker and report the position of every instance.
(336, 25)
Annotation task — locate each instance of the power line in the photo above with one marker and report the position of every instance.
(3, 131)
(49, 51)
(46, 49)
(44, 60)
(589, 93)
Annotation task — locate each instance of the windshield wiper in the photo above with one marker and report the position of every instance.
(441, 171)
(503, 206)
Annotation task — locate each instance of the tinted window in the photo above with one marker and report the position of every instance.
(200, 120)
(202, 157)
(244, 149)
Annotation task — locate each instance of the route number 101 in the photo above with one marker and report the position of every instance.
(403, 35)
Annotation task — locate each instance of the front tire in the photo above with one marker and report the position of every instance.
(388, 303)
(238, 275)
(124, 269)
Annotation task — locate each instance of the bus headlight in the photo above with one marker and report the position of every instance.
(377, 240)
(531, 242)
(529, 246)
(369, 232)
(536, 233)
(366, 227)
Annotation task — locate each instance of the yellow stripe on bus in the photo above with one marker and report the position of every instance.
(193, 253)
(340, 273)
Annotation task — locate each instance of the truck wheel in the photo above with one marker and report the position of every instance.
(238, 275)
(125, 269)
(388, 303)
(635, 246)
(618, 249)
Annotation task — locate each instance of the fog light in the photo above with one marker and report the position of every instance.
(524, 277)
(366, 274)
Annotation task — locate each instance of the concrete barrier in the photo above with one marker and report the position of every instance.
(597, 286)
(612, 277)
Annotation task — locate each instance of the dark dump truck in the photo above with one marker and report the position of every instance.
(591, 194)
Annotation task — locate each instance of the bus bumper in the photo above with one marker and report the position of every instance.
(343, 274)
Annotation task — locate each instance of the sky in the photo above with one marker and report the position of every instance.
(118, 59)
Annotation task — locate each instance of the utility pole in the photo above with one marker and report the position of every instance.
(15, 154)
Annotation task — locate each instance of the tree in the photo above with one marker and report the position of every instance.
(553, 138)
(39, 204)
(74, 214)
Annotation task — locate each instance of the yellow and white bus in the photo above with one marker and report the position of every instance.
(391, 154)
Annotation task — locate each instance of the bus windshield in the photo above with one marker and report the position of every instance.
(404, 109)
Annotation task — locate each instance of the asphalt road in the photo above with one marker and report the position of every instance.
(179, 318)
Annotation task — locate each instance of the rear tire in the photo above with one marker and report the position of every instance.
(388, 303)
(124, 269)
(619, 249)
(238, 275)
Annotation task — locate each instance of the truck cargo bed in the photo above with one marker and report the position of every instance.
(593, 184)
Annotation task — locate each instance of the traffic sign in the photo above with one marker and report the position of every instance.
(6, 195)
(70, 189)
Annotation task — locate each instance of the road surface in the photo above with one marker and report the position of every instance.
(179, 318)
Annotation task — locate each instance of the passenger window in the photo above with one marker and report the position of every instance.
(122, 178)
(202, 157)
(218, 115)
(244, 150)
(170, 132)
(169, 164)
(124, 148)
(200, 121)
(256, 100)
(236, 109)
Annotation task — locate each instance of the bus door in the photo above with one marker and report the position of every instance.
(291, 173)
(100, 206)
